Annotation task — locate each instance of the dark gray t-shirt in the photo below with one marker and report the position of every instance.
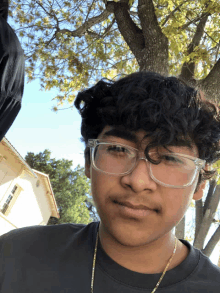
(52, 259)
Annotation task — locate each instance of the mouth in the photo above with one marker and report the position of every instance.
(132, 205)
(131, 209)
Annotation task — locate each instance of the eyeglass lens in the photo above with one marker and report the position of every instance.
(117, 159)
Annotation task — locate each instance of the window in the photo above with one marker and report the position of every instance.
(9, 199)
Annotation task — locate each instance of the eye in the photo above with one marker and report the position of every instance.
(170, 158)
(117, 149)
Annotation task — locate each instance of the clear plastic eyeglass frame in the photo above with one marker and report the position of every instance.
(199, 163)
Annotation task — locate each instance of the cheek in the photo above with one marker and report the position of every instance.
(102, 186)
(96, 188)
(176, 204)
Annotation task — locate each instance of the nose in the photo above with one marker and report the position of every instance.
(139, 178)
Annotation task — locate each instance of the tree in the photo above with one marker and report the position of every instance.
(70, 187)
(69, 43)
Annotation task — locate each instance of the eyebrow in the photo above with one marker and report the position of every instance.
(121, 134)
(184, 144)
(125, 134)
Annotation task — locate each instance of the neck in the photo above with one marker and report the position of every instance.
(150, 258)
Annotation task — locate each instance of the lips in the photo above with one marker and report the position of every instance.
(132, 205)
(131, 210)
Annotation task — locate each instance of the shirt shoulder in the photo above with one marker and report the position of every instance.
(36, 231)
(203, 266)
(45, 258)
(206, 270)
(40, 239)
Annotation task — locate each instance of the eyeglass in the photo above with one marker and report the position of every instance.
(172, 169)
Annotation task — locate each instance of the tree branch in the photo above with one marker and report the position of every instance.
(129, 30)
(180, 229)
(209, 196)
(89, 23)
(94, 34)
(50, 40)
(50, 14)
(148, 19)
(217, 51)
(155, 55)
(207, 219)
(173, 12)
(89, 10)
(188, 68)
(79, 32)
(108, 28)
(198, 18)
(211, 37)
(98, 36)
(212, 242)
(199, 215)
(210, 84)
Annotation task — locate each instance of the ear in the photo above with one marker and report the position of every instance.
(199, 194)
(87, 170)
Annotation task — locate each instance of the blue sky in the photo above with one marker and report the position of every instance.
(37, 127)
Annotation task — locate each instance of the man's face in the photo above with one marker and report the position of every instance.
(166, 205)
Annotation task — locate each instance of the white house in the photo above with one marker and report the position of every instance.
(26, 195)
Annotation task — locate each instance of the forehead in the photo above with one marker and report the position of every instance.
(122, 135)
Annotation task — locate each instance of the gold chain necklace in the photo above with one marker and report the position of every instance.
(158, 283)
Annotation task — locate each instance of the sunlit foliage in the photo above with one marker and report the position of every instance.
(71, 44)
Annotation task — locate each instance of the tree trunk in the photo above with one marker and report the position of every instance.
(219, 259)
(180, 229)
(208, 210)
(212, 242)
(149, 45)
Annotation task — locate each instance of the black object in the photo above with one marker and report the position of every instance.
(11, 72)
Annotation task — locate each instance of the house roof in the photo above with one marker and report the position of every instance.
(36, 174)
(4, 140)
(50, 193)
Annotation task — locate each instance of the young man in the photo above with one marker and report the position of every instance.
(149, 140)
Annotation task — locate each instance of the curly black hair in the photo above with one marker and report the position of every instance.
(168, 110)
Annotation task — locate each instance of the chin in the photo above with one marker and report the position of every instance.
(127, 235)
(135, 240)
